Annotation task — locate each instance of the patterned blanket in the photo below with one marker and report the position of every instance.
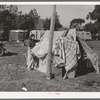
(67, 50)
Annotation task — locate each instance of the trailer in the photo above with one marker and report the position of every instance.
(84, 35)
(17, 35)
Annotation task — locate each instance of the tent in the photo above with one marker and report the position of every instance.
(71, 56)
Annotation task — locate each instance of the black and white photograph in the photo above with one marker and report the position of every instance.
(49, 48)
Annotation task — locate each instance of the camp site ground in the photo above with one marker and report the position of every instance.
(14, 75)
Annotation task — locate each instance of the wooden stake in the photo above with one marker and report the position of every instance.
(49, 74)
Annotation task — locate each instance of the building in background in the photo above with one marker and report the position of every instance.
(85, 35)
(38, 33)
(17, 35)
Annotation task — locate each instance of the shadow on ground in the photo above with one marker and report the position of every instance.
(10, 54)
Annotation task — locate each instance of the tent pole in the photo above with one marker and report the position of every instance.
(49, 74)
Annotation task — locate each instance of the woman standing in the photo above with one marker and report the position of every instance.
(31, 57)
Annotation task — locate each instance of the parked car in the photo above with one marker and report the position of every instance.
(2, 49)
(96, 36)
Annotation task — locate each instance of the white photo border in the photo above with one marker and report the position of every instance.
(50, 95)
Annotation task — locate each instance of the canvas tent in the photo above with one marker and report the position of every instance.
(66, 54)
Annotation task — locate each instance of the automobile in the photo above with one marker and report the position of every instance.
(2, 49)
(96, 36)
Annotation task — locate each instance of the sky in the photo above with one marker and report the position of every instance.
(66, 12)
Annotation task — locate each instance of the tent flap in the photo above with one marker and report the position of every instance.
(90, 54)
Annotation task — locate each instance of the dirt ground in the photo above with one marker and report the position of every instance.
(14, 75)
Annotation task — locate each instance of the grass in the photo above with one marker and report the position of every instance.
(14, 75)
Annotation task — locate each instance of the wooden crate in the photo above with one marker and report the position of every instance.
(58, 71)
(61, 72)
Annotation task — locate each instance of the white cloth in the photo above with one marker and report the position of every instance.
(72, 34)
(30, 60)
(41, 49)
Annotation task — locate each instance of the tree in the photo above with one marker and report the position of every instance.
(46, 24)
(76, 22)
(7, 18)
(47, 21)
(28, 21)
(13, 9)
(91, 28)
(95, 15)
(11, 18)
(6, 22)
(34, 18)
(33, 13)
(8, 13)
(57, 22)
(3, 7)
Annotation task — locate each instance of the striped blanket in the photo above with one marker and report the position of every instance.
(67, 50)
(71, 49)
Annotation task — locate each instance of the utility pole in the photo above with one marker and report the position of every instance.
(49, 74)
